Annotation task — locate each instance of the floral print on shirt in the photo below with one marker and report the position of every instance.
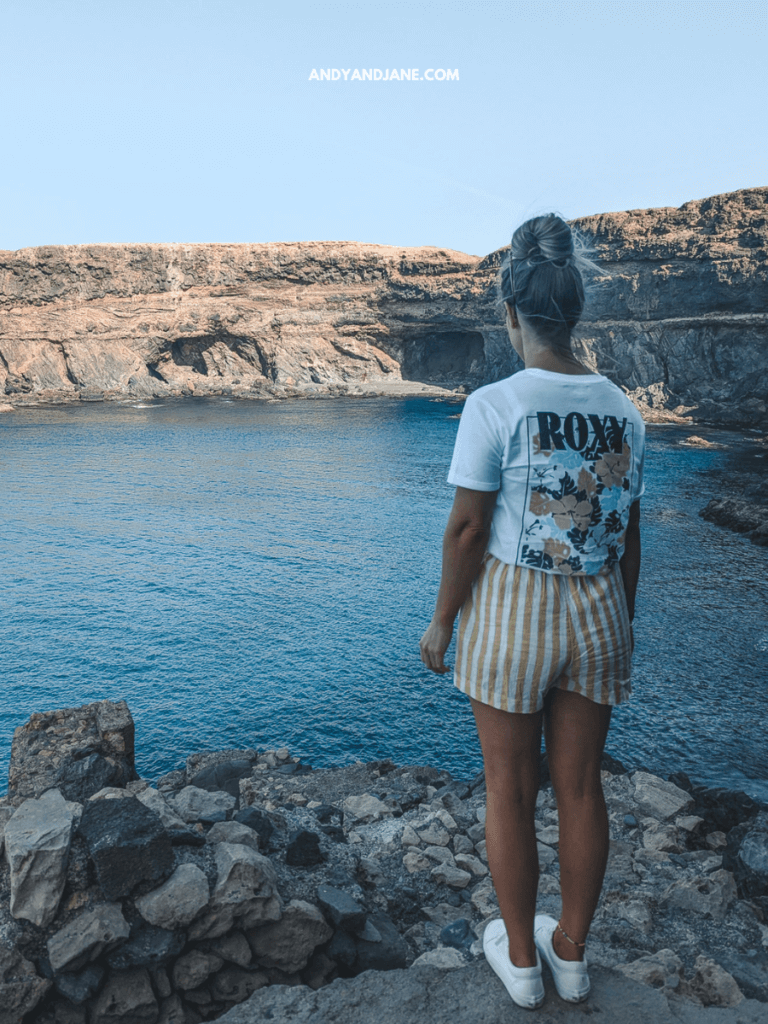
(578, 493)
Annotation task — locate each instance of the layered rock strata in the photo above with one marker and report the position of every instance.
(678, 316)
(247, 871)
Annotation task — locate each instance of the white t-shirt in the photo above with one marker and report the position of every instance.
(565, 451)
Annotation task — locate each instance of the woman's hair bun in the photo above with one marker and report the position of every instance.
(542, 275)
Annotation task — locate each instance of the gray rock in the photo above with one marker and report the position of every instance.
(235, 985)
(5, 814)
(156, 802)
(178, 901)
(245, 890)
(659, 799)
(78, 750)
(193, 804)
(662, 970)
(753, 853)
(289, 942)
(127, 843)
(232, 947)
(343, 910)
(710, 895)
(713, 985)
(364, 807)
(451, 875)
(233, 832)
(172, 1011)
(127, 998)
(193, 969)
(20, 987)
(87, 937)
(37, 840)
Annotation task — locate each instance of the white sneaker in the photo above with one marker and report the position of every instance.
(570, 976)
(524, 984)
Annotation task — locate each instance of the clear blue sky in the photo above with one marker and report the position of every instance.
(196, 120)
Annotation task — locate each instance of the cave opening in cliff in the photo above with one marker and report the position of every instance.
(448, 356)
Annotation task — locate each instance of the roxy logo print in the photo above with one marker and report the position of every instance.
(578, 492)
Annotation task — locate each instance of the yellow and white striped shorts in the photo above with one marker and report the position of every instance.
(522, 631)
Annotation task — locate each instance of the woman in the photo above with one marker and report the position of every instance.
(541, 557)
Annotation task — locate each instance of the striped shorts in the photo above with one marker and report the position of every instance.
(522, 631)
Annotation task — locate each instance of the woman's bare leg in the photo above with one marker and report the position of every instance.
(575, 729)
(511, 744)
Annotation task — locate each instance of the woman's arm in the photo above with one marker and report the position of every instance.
(630, 560)
(464, 544)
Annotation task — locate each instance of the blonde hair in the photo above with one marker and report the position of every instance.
(542, 276)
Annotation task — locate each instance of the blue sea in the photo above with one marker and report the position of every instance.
(260, 574)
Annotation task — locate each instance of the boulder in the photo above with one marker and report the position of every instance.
(232, 947)
(753, 857)
(303, 849)
(289, 942)
(194, 804)
(659, 799)
(663, 970)
(127, 998)
(174, 824)
(20, 987)
(127, 843)
(192, 969)
(79, 987)
(235, 985)
(342, 909)
(245, 890)
(259, 821)
(713, 985)
(444, 957)
(178, 901)
(87, 937)
(77, 750)
(233, 832)
(37, 840)
(224, 777)
(386, 953)
(709, 895)
(364, 807)
(148, 946)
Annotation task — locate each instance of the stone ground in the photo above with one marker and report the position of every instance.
(474, 995)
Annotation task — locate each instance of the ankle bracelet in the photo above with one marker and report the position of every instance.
(569, 937)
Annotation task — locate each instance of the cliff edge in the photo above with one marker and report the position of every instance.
(679, 317)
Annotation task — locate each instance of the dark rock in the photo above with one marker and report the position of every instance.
(224, 776)
(126, 998)
(411, 799)
(681, 780)
(740, 516)
(257, 820)
(148, 946)
(630, 821)
(612, 765)
(457, 788)
(722, 809)
(478, 781)
(336, 832)
(79, 987)
(127, 843)
(342, 949)
(78, 750)
(303, 849)
(327, 811)
(390, 953)
(81, 778)
(341, 909)
(458, 934)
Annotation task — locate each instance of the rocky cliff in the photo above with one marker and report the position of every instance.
(679, 316)
(249, 874)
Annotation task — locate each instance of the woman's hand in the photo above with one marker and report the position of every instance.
(434, 644)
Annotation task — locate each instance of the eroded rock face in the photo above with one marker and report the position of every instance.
(37, 840)
(77, 750)
(678, 317)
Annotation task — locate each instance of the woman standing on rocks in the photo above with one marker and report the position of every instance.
(541, 557)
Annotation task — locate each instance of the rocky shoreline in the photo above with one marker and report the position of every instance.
(249, 877)
(742, 505)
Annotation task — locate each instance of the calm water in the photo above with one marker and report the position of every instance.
(252, 574)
